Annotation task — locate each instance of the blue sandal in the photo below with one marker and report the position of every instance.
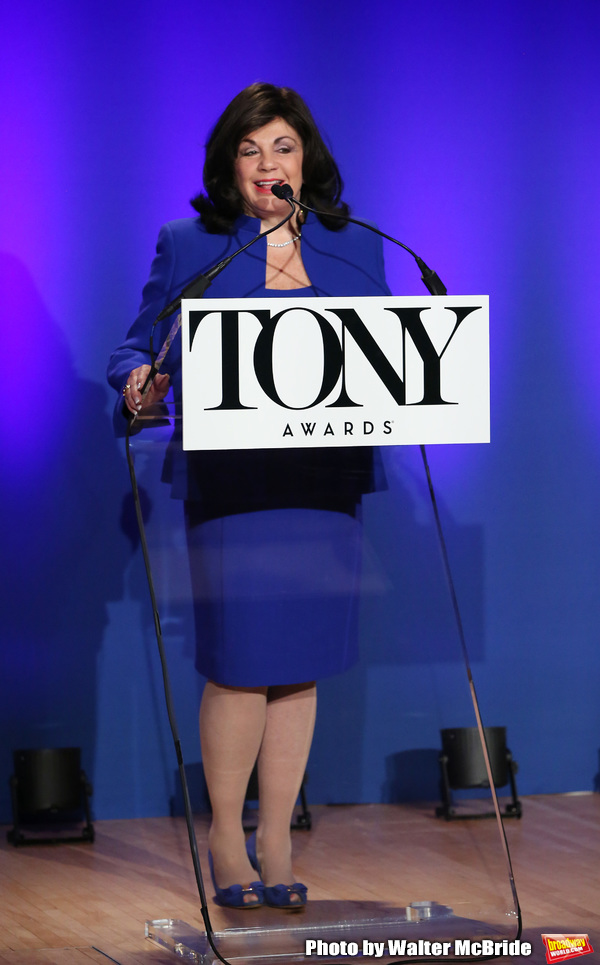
(234, 896)
(278, 896)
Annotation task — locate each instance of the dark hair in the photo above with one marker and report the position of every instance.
(250, 110)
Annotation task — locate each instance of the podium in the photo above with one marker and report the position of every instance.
(394, 373)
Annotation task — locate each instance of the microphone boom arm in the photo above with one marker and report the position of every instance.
(196, 289)
(430, 279)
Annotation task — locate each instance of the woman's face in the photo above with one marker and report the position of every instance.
(271, 155)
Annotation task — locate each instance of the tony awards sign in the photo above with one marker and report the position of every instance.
(290, 372)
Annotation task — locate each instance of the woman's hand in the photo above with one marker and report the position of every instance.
(132, 390)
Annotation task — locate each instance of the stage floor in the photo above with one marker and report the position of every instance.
(73, 904)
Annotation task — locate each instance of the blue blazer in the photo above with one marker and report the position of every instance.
(346, 262)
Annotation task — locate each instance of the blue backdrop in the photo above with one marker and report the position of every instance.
(469, 130)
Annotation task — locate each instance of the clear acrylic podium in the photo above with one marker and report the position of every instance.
(466, 891)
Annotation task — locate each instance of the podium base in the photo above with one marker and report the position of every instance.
(282, 937)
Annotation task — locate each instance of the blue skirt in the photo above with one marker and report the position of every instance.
(275, 595)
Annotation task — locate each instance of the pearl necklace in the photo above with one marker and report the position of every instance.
(271, 244)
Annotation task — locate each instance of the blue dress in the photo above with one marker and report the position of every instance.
(274, 539)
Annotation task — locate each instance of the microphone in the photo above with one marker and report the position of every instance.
(430, 279)
(195, 289)
(283, 191)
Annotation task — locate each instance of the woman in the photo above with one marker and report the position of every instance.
(262, 639)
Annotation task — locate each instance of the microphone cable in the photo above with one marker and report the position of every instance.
(473, 693)
(196, 288)
(436, 287)
(172, 718)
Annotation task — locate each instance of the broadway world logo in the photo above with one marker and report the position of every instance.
(561, 947)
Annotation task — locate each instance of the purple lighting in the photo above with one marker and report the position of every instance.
(469, 131)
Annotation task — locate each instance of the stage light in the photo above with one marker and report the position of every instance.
(462, 767)
(50, 796)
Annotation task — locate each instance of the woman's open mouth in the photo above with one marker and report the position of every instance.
(265, 186)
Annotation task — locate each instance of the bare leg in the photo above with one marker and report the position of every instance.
(290, 719)
(232, 725)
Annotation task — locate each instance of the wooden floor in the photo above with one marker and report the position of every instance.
(73, 904)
